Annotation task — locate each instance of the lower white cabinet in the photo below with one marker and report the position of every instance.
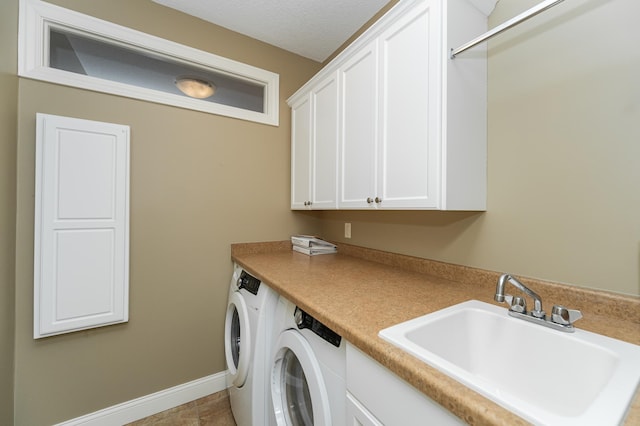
(358, 415)
(376, 396)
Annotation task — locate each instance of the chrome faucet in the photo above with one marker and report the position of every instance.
(561, 317)
(500, 296)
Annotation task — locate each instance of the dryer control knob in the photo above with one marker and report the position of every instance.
(298, 315)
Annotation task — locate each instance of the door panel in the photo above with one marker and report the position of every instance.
(301, 154)
(237, 337)
(325, 145)
(360, 129)
(410, 120)
(294, 361)
(81, 250)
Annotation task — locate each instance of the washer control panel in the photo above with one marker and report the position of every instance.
(248, 281)
(304, 320)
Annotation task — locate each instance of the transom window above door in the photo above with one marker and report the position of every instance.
(65, 47)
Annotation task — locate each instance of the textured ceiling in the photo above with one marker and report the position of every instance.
(311, 28)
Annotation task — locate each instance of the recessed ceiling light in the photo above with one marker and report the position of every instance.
(195, 87)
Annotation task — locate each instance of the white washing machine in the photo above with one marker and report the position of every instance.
(248, 334)
(307, 371)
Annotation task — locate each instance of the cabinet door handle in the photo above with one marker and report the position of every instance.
(369, 200)
(378, 200)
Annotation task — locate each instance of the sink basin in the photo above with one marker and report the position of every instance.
(545, 376)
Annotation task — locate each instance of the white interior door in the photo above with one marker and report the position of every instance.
(81, 251)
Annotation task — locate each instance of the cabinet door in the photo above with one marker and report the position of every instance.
(359, 117)
(325, 144)
(387, 398)
(81, 250)
(358, 415)
(410, 120)
(301, 154)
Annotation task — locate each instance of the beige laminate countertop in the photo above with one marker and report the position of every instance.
(359, 292)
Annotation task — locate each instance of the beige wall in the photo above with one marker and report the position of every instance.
(199, 182)
(563, 195)
(8, 121)
(564, 157)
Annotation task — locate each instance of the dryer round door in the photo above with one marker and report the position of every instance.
(298, 391)
(237, 346)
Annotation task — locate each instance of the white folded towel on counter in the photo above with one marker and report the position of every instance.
(312, 245)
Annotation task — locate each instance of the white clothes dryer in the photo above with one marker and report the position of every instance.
(307, 371)
(248, 339)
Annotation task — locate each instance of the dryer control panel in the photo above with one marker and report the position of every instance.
(304, 320)
(248, 281)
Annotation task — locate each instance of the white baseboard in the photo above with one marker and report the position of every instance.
(148, 405)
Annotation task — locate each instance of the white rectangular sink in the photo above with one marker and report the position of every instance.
(545, 376)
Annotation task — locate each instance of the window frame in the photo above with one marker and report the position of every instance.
(36, 17)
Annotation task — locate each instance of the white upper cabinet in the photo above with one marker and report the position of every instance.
(325, 147)
(301, 153)
(314, 147)
(409, 144)
(358, 141)
(412, 130)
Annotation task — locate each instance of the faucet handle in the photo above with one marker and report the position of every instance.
(516, 303)
(564, 316)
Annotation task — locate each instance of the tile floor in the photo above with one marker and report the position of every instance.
(212, 410)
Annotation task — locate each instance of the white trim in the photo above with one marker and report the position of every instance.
(148, 405)
(36, 16)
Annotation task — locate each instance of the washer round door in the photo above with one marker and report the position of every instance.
(298, 391)
(237, 346)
